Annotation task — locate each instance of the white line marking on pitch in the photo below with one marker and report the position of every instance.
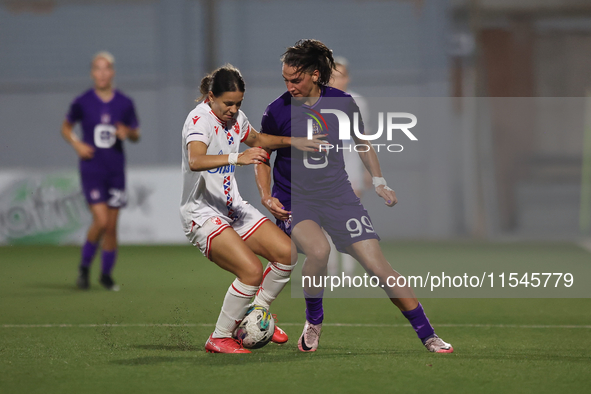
(586, 244)
(291, 324)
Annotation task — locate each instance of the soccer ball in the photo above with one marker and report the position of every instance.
(256, 329)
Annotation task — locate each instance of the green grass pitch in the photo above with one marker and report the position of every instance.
(148, 338)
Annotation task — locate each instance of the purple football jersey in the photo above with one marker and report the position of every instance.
(298, 174)
(98, 120)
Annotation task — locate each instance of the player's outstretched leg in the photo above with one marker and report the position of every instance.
(420, 323)
(369, 254)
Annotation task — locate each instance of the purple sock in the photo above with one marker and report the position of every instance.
(314, 311)
(109, 261)
(88, 252)
(418, 320)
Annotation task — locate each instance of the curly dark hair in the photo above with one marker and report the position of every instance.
(310, 55)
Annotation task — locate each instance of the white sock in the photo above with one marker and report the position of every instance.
(275, 278)
(234, 308)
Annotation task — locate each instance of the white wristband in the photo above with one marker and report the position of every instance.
(377, 181)
(233, 159)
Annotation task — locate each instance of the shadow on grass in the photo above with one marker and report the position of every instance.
(223, 360)
(292, 355)
(170, 348)
(70, 287)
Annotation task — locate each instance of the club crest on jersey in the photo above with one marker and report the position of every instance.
(229, 137)
(105, 118)
(236, 128)
(217, 221)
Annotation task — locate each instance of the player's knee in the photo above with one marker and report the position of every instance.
(252, 275)
(318, 253)
(283, 254)
(100, 224)
(110, 230)
(294, 255)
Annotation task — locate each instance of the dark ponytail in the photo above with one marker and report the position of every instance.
(225, 79)
(308, 56)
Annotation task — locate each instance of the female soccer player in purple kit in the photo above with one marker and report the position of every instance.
(311, 191)
(107, 118)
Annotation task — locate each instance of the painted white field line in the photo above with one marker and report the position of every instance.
(289, 324)
(586, 244)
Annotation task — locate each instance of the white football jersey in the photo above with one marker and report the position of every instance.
(213, 192)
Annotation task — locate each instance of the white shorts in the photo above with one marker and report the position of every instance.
(245, 225)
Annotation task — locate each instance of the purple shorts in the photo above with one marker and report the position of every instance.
(342, 217)
(104, 188)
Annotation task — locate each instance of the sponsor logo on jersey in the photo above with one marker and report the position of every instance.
(229, 169)
(195, 119)
(105, 118)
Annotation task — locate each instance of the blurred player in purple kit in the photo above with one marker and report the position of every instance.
(107, 118)
(311, 192)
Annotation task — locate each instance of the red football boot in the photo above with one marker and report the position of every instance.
(224, 345)
(279, 336)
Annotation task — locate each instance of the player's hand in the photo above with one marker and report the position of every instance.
(84, 151)
(253, 156)
(122, 131)
(387, 194)
(306, 145)
(275, 207)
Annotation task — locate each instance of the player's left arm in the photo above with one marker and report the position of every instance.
(372, 164)
(124, 132)
(273, 142)
(128, 128)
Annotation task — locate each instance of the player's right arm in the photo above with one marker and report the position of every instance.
(262, 173)
(83, 150)
(199, 160)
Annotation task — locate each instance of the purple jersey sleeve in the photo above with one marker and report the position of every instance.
(268, 124)
(130, 117)
(74, 114)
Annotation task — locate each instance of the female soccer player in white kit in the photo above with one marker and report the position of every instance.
(225, 228)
